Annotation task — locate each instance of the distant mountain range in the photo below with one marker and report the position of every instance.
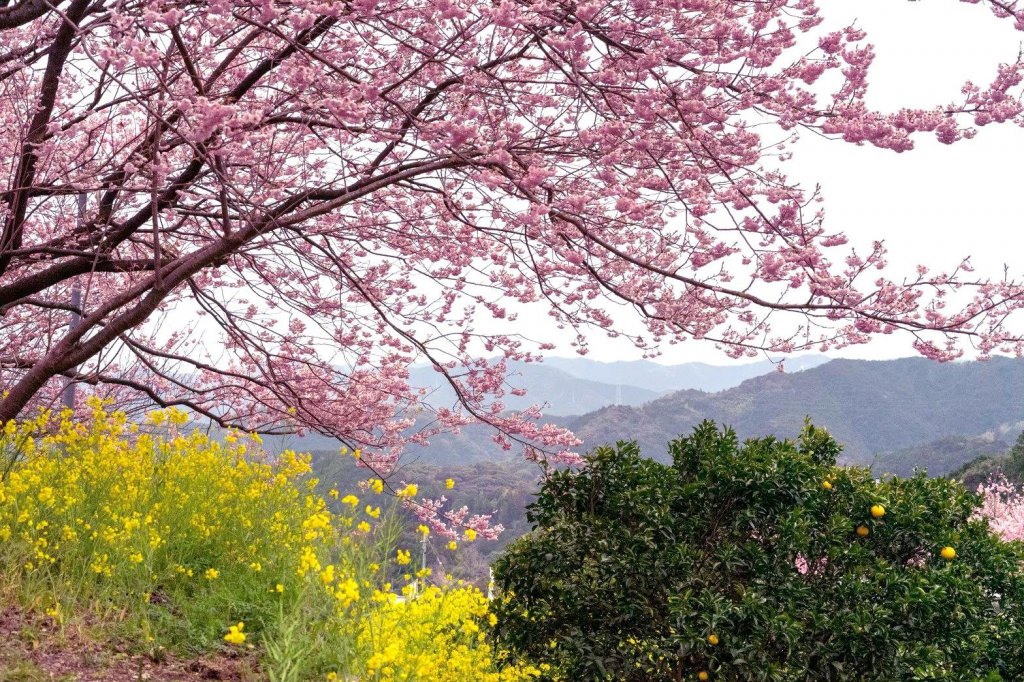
(894, 415)
(574, 386)
(568, 387)
(562, 392)
(871, 407)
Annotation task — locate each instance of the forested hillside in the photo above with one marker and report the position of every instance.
(939, 457)
(1008, 463)
(872, 408)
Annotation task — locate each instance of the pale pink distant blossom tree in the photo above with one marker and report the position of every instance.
(1003, 506)
(339, 188)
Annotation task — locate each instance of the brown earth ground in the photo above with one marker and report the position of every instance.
(33, 649)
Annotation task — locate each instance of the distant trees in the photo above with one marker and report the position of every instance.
(500, 490)
(1003, 505)
(1014, 467)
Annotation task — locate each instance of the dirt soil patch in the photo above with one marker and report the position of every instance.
(33, 649)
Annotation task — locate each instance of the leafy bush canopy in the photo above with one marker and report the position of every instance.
(759, 561)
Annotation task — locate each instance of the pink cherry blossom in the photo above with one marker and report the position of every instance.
(1003, 507)
(288, 203)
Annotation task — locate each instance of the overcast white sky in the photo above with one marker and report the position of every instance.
(935, 204)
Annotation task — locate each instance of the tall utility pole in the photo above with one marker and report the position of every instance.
(68, 397)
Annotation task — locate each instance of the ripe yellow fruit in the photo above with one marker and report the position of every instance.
(948, 553)
(712, 639)
(702, 676)
(878, 511)
(826, 485)
(862, 531)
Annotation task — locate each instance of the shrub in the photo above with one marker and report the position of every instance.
(760, 561)
(184, 542)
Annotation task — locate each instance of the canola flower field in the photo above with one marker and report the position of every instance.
(177, 542)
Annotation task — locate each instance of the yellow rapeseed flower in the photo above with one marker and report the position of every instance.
(449, 483)
(327, 575)
(235, 635)
(308, 562)
(104, 497)
(347, 592)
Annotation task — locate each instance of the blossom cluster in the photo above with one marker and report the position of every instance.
(1003, 505)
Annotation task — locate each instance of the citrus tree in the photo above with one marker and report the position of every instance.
(759, 561)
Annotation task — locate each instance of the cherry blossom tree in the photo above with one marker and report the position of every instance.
(1003, 505)
(265, 211)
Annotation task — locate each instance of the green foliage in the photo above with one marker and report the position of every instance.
(633, 565)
